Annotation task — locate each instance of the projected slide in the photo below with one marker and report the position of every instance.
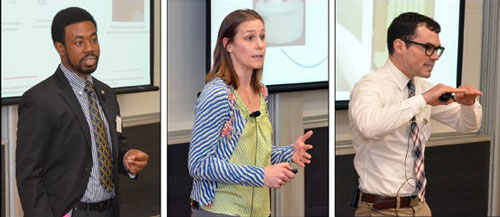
(361, 35)
(296, 35)
(29, 56)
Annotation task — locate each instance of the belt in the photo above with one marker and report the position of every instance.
(99, 206)
(384, 202)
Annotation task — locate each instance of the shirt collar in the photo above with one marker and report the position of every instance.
(75, 81)
(399, 77)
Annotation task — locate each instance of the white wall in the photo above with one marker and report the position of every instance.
(471, 67)
(315, 103)
(186, 60)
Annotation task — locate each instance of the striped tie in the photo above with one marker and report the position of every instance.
(101, 139)
(421, 181)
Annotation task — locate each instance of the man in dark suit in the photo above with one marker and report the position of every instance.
(70, 149)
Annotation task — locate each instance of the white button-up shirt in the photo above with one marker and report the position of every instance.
(380, 113)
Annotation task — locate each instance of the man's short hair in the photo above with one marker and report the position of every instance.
(67, 17)
(404, 26)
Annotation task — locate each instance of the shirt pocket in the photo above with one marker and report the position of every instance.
(426, 129)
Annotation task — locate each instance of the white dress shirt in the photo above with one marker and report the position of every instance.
(380, 113)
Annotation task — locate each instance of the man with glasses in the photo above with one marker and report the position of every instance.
(390, 113)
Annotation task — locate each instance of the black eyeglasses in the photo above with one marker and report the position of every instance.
(429, 48)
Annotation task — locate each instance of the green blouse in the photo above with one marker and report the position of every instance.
(253, 148)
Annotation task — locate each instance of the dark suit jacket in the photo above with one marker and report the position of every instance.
(53, 156)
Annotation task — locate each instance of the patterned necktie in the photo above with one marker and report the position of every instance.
(421, 181)
(101, 139)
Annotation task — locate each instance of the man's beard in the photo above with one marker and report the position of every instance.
(79, 68)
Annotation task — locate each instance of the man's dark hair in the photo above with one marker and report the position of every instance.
(67, 17)
(404, 26)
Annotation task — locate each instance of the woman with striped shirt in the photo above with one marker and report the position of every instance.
(231, 159)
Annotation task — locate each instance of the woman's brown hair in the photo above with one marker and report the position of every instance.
(223, 66)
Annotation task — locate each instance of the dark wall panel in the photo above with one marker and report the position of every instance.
(457, 180)
(179, 182)
(141, 197)
(345, 182)
(316, 174)
(3, 180)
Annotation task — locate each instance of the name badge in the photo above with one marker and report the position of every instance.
(118, 124)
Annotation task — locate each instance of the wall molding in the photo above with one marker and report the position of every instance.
(179, 136)
(136, 120)
(315, 121)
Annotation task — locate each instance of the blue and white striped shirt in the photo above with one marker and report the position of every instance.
(211, 148)
(95, 192)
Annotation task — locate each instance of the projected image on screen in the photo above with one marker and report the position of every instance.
(128, 10)
(281, 15)
(29, 56)
(296, 36)
(361, 35)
